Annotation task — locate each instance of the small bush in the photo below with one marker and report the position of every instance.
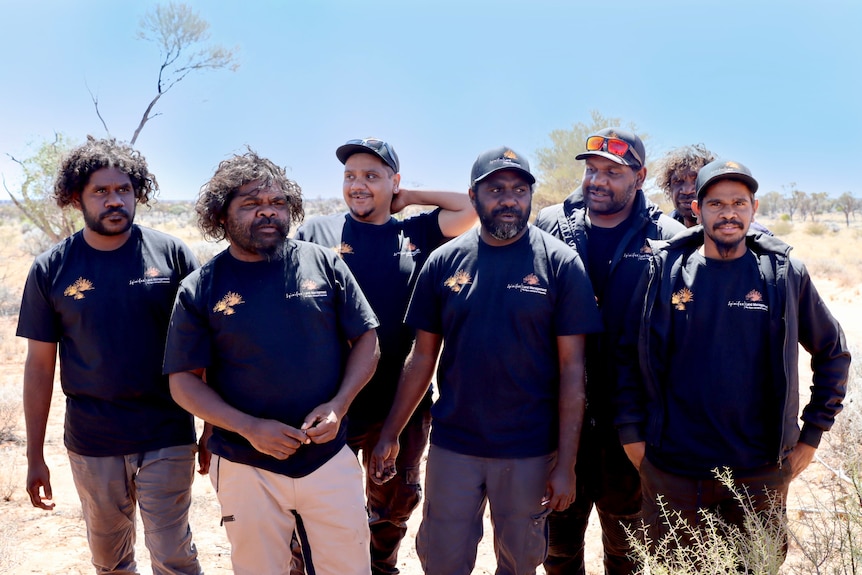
(816, 229)
(781, 227)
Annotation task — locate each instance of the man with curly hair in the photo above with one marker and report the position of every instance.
(385, 254)
(103, 298)
(286, 340)
(677, 173)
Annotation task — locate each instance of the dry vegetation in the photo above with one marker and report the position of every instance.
(823, 504)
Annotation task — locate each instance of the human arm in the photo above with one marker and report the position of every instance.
(38, 388)
(560, 492)
(321, 425)
(204, 454)
(412, 385)
(457, 214)
(268, 436)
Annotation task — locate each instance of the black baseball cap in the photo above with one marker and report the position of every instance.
(616, 144)
(379, 148)
(723, 170)
(497, 159)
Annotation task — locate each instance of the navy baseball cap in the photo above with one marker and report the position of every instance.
(618, 145)
(379, 148)
(723, 170)
(497, 159)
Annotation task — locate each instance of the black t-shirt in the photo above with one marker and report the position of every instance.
(722, 406)
(603, 244)
(108, 311)
(273, 337)
(385, 259)
(500, 310)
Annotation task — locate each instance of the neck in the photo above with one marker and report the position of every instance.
(489, 239)
(610, 220)
(105, 243)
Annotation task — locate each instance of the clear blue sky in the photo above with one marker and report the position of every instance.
(776, 85)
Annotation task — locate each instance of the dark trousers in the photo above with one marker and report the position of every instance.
(390, 504)
(766, 490)
(607, 479)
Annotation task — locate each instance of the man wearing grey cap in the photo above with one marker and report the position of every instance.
(385, 255)
(708, 376)
(608, 221)
(509, 305)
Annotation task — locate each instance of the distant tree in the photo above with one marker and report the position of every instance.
(558, 171)
(181, 36)
(770, 203)
(847, 205)
(35, 198)
(793, 199)
(819, 204)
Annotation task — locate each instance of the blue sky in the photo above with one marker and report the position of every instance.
(773, 84)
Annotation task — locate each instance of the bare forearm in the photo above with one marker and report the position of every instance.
(457, 215)
(195, 396)
(412, 386)
(38, 389)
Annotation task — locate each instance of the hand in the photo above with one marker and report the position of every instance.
(381, 466)
(635, 452)
(800, 457)
(321, 425)
(204, 454)
(275, 438)
(39, 486)
(560, 492)
(399, 201)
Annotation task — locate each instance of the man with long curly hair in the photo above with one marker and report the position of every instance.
(103, 298)
(286, 340)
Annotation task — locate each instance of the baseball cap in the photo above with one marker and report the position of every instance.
(497, 159)
(723, 170)
(616, 144)
(379, 148)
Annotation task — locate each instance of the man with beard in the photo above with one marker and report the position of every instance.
(677, 173)
(608, 221)
(286, 340)
(385, 255)
(509, 305)
(738, 306)
(103, 297)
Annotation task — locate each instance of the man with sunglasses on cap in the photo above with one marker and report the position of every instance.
(608, 221)
(677, 173)
(708, 376)
(509, 305)
(385, 255)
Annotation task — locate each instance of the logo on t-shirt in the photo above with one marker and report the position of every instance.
(307, 288)
(642, 254)
(343, 248)
(753, 301)
(152, 276)
(152, 272)
(77, 289)
(682, 297)
(530, 284)
(409, 250)
(226, 304)
(457, 282)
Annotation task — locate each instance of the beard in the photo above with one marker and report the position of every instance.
(725, 247)
(502, 230)
(95, 221)
(614, 203)
(245, 237)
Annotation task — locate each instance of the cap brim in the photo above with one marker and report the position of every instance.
(749, 181)
(530, 177)
(608, 155)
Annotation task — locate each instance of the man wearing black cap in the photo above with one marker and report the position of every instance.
(709, 365)
(608, 221)
(385, 255)
(509, 305)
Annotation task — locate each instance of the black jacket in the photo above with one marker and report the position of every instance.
(801, 317)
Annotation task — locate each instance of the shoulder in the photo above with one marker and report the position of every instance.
(554, 247)
(547, 218)
(57, 253)
(157, 237)
(317, 224)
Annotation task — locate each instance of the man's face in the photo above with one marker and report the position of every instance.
(502, 202)
(609, 187)
(108, 202)
(369, 185)
(682, 191)
(726, 212)
(257, 221)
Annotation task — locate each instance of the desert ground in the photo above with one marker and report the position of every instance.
(34, 541)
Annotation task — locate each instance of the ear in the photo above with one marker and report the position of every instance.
(76, 200)
(756, 204)
(472, 195)
(640, 176)
(695, 208)
(396, 183)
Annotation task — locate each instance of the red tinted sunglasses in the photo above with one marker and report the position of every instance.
(614, 146)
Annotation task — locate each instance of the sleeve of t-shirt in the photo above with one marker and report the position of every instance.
(188, 343)
(425, 229)
(576, 309)
(37, 318)
(355, 315)
(424, 309)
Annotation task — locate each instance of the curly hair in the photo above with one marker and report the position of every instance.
(684, 159)
(79, 164)
(233, 173)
